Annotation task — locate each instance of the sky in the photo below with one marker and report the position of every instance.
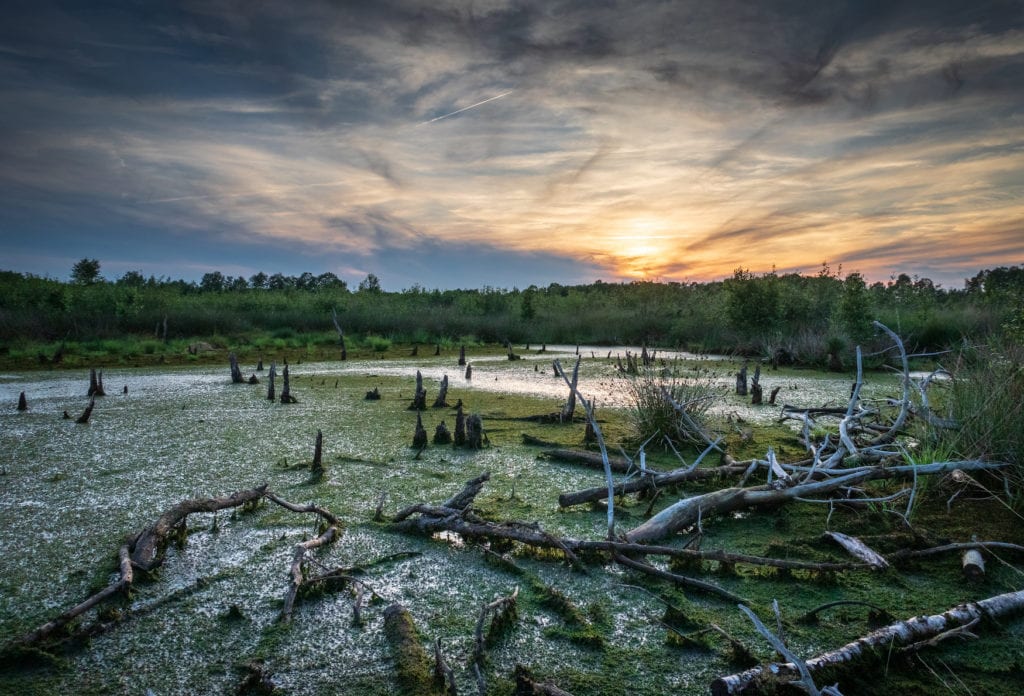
(512, 143)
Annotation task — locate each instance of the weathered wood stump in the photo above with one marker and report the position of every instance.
(441, 435)
(419, 401)
(442, 395)
(96, 383)
(437, 349)
(973, 565)
(373, 395)
(741, 381)
(462, 356)
(253, 379)
(341, 334)
(22, 402)
(286, 393)
(756, 392)
(771, 398)
(570, 404)
(469, 371)
(259, 364)
(317, 467)
(419, 437)
(415, 351)
(271, 393)
(460, 426)
(474, 432)
(236, 372)
(511, 355)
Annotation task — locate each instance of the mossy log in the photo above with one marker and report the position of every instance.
(412, 668)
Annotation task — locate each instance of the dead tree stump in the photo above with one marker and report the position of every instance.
(286, 392)
(442, 395)
(419, 401)
(259, 364)
(22, 403)
(415, 351)
(741, 381)
(341, 334)
(441, 435)
(570, 405)
(419, 437)
(236, 373)
(474, 432)
(756, 392)
(317, 467)
(771, 397)
(437, 350)
(460, 426)
(462, 356)
(511, 355)
(469, 372)
(96, 383)
(373, 395)
(271, 393)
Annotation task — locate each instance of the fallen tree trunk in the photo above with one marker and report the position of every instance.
(650, 483)
(295, 572)
(619, 465)
(122, 585)
(147, 551)
(686, 512)
(900, 633)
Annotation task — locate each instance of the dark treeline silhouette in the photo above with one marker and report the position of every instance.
(795, 318)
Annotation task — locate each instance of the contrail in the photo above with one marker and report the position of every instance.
(467, 108)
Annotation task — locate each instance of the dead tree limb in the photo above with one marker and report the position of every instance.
(87, 413)
(341, 334)
(444, 676)
(295, 572)
(650, 483)
(527, 686)
(686, 512)
(570, 404)
(122, 585)
(504, 610)
(858, 549)
(901, 633)
(677, 579)
(147, 551)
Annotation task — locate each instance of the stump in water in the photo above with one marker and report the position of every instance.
(460, 426)
(741, 381)
(84, 418)
(474, 432)
(469, 372)
(756, 393)
(236, 373)
(570, 405)
(372, 395)
(437, 350)
(589, 435)
(253, 379)
(271, 394)
(441, 435)
(317, 467)
(511, 355)
(125, 390)
(259, 364)
(341, 334)
(415, 351)
(96, 383)
(286, 393)
(442, 396)
(22, 403)
(419, 438)
(771, 398)
(419, 401)
(462, 355)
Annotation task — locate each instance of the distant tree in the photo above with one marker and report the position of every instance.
(526, 309)
(752, 303)
(238, 284)
(306, 281)
(279, 282)
(370, 283)
(132, 279)
(855, 308)
(85, 272)
(329, 281)
(212, 282)
(258, 281)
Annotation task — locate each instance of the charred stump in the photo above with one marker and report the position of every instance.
(441, 435)
(460, 426)
(84, 418)
(741, 381)
(22, 403)
(271, 393)
(756, 392)
(442, 395)
(317, 467)
(286, 393)
(419, 401)
(419, 437)
(373, 395)
(462, 356)
(469, 372)
(236, 373)
(474, 432)
(96, 383)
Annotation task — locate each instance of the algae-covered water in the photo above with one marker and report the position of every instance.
(70, 494)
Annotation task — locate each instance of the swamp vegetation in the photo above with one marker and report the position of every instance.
(350, 580)
(227, 542)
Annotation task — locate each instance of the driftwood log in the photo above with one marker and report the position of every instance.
(913, 631)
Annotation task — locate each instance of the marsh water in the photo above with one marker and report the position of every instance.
(70, 494)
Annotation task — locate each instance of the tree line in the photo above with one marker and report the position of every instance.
(795, 318)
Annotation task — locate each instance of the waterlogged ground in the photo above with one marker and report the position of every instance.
(69, 494)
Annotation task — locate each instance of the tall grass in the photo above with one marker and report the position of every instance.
(684, 423)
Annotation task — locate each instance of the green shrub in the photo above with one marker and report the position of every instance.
(378, 344)
(651, 413)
